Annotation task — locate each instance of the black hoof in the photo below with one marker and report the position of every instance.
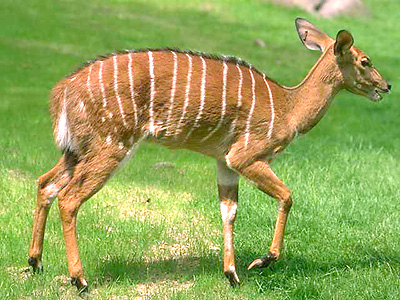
(36, 266)
(233, 278)
(83, 288)
(262, 262)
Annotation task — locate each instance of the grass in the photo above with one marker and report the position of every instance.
(156, 232)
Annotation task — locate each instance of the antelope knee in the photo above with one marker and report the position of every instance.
(286, 201)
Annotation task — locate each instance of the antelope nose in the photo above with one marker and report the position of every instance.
(389, 86)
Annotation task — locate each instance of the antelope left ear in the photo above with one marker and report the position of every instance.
(312, 37)
(344, 41)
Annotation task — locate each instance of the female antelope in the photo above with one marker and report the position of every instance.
(218, 106)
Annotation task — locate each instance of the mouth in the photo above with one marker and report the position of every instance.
(376, 94)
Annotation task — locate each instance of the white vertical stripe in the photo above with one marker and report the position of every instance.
(103, 91)
(121, 109)
(239, 100)
(202, 96)
(130, 74)
(223, 106)
(88, 83)
(271, 102)
(186, 103)
(173, 90)
(253, 103)
(152, 92)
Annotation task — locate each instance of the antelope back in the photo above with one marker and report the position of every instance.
(181, 99)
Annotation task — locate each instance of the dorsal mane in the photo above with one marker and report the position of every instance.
(218, 57)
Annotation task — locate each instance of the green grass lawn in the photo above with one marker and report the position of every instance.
(156, 232)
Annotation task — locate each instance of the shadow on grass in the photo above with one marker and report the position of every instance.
(158, 270)
(282, 273)
(277, 276)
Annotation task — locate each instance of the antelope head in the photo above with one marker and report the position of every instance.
(357, 73)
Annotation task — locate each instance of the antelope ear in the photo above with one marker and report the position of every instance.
(344, 41)
(312, 37)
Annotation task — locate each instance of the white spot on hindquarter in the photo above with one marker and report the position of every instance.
(51, 191)
(152, 92)
(186, 103)
(271, 102)
(239, 101)
(121, 110)
(173, 90)
(108, 140)
(253, 103)
(130, 74)
(63, 136)
(223, 105)
(202, 97)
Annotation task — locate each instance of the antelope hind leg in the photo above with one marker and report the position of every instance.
(89, 177)
(49, 185)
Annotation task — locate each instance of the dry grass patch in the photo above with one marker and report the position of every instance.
(19, 274)
(18, 175)
(165, 251)
(164, 288)
(184, 244)
(147, 204)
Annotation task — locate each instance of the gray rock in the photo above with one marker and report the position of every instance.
(327, 8)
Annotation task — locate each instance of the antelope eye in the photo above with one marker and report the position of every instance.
(365, 62)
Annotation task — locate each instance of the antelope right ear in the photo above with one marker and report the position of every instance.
(312, 37)
(344, 41)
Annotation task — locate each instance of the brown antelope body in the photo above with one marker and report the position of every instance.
(217, 106)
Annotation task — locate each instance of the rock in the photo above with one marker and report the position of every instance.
(260, 43)
(327, 8)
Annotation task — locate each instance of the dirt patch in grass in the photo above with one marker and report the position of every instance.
(18, 273)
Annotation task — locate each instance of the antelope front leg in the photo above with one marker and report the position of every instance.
(228, 194)
(260, 173)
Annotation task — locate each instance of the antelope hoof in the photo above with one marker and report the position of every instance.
(35, 264)
(262, 262)
(82, 286)
(232, 277)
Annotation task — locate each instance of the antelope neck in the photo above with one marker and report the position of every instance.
(312, 97)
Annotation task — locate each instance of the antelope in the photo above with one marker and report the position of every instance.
(215, 105)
